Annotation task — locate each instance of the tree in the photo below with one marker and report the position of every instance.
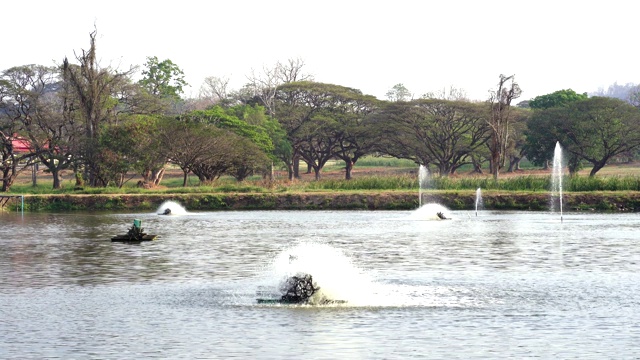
(540, 132)
(622, 92)
(398, 93)
(188, 144)
(516, 148)
(132, 145)
(356, 137)
(12, 161)
(215, 90)
(453, 94)
(430, 131)
(251, 159)
(263, 86)
(255, 115)
(163, 78)
(595, 130)
(500, 121)
(227, 119)
(321, 121)
(557, 98)
(93, 94)
(224, 153)
(40, 102)
(251, 132)
(634, 96)
(599, 128)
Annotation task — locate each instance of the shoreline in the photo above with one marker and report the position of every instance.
(628, 201)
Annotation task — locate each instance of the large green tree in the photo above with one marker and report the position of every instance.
(132, 145)
(163, 78)
(594, 130)
(323, 121)
(255, 115)
(541, 135)
(189, 145)
(227, 119)
(555, 99)
(436, 132)
(252, 131)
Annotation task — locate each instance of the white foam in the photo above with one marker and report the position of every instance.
(429, 212)
(176, 208)
(340, 279)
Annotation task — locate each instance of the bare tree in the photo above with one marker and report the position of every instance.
(292, 71)
(264, 85)
(453, 94)
(214, 90)
(500, 120)
(93, 91)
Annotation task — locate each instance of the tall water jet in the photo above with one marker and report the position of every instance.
(423, 182)
(478, 200)
(556, 179)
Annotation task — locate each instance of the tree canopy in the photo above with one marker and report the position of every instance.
(163, 78)
(557, 98)
(436, 132)
(594, 129)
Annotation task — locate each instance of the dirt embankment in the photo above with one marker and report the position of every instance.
(613, 201)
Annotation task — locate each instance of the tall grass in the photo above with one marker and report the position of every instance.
(517, 183)
(609, 183)
(390, 182)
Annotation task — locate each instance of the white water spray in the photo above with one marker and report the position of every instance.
(332, 271)
(176, 209)
(339, 279)
(423, 182)
(478, 200)
(556, 177)
(429, 212)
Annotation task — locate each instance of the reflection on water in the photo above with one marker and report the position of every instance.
(499, 285)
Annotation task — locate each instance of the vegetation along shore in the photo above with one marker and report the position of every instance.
(377, 185)
(391, 200)
(99, 140)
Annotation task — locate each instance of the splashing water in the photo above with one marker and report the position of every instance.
(176, 209)
(556, 179)
(479, 203)
(423, 182)
(332, 271)
(429, 212)
(338, 278)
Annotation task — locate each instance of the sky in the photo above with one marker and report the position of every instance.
(428, 46)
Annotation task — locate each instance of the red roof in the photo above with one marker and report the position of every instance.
(20, 144)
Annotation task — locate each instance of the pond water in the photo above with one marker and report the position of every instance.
(495, 285)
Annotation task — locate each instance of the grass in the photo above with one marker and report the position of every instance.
(370, 174)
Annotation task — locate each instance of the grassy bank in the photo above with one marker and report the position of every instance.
(400, 182)
(378, 185)
(344, 200)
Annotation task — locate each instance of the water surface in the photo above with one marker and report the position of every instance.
(496, 285)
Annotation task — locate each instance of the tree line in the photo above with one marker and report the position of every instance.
(110, 129)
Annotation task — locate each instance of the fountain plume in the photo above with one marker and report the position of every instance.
(423, 182)
(479, 203)
(556, 179)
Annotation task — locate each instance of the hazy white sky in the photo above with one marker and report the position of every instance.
(367, 45)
